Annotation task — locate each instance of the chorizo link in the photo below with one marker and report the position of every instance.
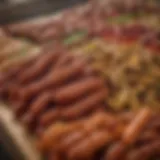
(115, 152)
(154, 124)
(126, 117)
(19, 66)
(36, 108)
(38, 68)
(80, 108)
(20, 108)
(135, 128)
(40, 103)
(49, 34)
(64, 60)
(70, 140)
(89, 145)
(54, 133)
(48, 117)
(54, 78)
(54, 156)
(91, 124)
(24, 30)
(54, 114)
(146, 152)
(76, 90)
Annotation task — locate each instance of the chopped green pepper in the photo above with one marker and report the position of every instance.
(123, 18)
(75, 37)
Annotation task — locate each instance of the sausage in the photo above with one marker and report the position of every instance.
(53, 79)
(115, 152)
(98, 118)
(137, 125)
(40, 103)
(12, 89)
(15, 71)
(133, 32)
(126, 117)
(20, 108)
(91, 125)
(47, 24)
(147, 137)
(88, 147)
(49, 117)
(54, 133)
(49, 34)
(64, 60)
(4, 92)
(54, 156)
(39, 67)
(55, 114)
(96, 25)
(51, 30)
(36, 108)
(70, 140)
(85, 105)
(146, 152)
(154, 124)
(76, 90)
(26, 30)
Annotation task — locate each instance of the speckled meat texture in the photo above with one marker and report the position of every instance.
(48, 89)
(104, 136)
(92, 18)
(62, 98)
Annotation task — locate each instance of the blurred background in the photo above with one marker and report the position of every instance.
(4, 155)
(11, 10)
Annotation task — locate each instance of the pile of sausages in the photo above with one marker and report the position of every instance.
(53, 86)
(61, 98)
(92, 19)
(104, 136)
(56, 29)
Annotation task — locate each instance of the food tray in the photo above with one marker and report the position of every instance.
(17, 134)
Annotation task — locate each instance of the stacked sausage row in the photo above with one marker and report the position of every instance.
(56, 29)
(105, 136)
(51, 87)
(59, 96)
(92, 19)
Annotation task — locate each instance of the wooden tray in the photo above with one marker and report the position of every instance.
(15, 138)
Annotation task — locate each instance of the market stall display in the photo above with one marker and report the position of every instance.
(92, 90)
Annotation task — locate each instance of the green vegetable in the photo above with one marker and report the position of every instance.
(75, 37)
(123, 18)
